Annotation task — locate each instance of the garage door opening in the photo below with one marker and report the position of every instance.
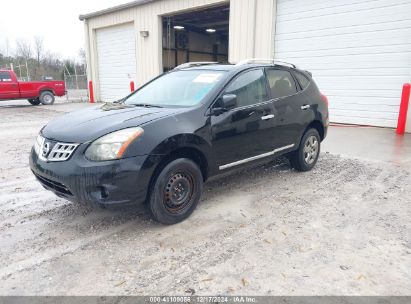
(116, 58)
(196, 36)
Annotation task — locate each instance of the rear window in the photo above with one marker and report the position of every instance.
(281, 83)
(5, 77)
(304, 82)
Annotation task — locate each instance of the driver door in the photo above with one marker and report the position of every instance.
(8, 88)
(246, 132)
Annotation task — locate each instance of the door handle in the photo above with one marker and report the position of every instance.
(267, 117)
(305, 107)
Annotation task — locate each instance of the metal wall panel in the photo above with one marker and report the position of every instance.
(252, 29)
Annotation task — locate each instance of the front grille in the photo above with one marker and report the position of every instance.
(58, 187)
(59, 151)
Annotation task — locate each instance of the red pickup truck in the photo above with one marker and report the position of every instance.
(35, 92)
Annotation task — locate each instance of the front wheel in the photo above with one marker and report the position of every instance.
(305, 158)
(176, 192)
(34, 102)
(46, 98)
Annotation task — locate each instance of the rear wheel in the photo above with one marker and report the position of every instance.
(176, 191)
(46, 98)
(305, 158)
(34, 102)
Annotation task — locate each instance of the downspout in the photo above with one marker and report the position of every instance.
(88, 56)
(274, 27)
(255, 29)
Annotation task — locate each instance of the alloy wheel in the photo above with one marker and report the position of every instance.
(311, 148)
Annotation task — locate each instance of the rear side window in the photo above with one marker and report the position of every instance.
(5, 77)
(304, 82)
(281, 83)
(249, 87)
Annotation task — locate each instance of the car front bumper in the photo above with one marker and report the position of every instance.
(122, 181)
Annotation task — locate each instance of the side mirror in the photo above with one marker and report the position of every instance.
(225, 103)
(229, 101)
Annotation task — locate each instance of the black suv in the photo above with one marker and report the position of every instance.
(161, 143)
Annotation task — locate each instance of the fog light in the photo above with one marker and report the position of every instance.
(104, 192)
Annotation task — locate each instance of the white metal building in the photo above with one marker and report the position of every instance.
(359, 51)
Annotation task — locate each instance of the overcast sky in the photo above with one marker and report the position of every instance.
(55, 20)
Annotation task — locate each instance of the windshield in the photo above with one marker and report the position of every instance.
(177, 89)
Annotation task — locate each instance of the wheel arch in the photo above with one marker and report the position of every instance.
(188, 145)
(192, 153)
(316, 124)
(46, 89)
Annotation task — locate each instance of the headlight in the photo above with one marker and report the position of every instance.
(38, 144)
(112, 146)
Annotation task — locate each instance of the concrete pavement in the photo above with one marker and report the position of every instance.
(368, 143)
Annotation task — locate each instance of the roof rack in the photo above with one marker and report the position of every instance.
(193, 64)
(266, 60)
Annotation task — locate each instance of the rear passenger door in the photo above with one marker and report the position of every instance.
(292, 115)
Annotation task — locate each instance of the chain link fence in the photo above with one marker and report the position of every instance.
(76, 86)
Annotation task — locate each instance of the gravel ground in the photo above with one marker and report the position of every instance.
(342, 229)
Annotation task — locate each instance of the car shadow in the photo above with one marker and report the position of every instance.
(68, 225)
(113, 215)
(15, 106)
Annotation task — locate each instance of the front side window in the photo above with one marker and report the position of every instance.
(5, 77)
(281, 83)
(177, 89)
(249, 87)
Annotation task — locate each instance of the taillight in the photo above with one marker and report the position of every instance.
(325, 99)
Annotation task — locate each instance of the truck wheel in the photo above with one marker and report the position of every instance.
(34, 102)
(46, 98)
(176, 192)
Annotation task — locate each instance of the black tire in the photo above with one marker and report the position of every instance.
(175, 192)
(305, 158)
(47, 98)
(34, 102)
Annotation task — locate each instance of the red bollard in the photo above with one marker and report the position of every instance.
(402, 117)
(90, 88)
(132, 86)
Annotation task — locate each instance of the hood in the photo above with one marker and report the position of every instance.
(89, 124)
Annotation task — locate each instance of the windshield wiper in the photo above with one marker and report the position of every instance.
(109, 106)
(142, 105)
(119, 101)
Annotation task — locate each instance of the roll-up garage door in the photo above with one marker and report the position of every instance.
(116, 52)
(358, 51)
